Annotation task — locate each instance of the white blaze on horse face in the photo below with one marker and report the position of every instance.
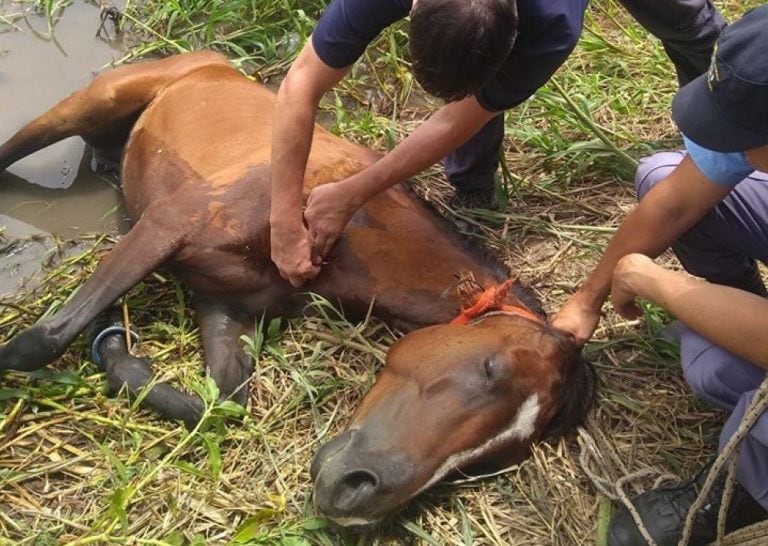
(352, 522)
(521, 428)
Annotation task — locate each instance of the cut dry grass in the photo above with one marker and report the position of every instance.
(79, 467)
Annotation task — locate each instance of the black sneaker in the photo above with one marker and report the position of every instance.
(663, 512)
(476, 193)
(475, 199)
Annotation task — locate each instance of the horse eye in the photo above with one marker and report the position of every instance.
(488, 368)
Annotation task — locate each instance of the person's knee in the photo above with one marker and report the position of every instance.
(714, 374)
(654, 169)
(699, 23)
(704, 383)
(702, 362)
(688, 23)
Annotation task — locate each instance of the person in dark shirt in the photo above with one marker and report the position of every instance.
(481, 57)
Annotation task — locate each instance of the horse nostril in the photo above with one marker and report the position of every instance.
(355, 488)
(361, 478)
(328, 452)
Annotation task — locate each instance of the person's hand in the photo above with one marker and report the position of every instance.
(578, 318)
(329, 209)
(627, 276)
(291, 253)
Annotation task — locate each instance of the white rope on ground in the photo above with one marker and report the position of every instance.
(730, 486)
(753, 535)
(614, 490)
(589, 449)
(756, 407)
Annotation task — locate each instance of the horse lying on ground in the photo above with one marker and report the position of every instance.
(195, 141)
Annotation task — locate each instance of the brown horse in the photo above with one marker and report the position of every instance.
(195, 141)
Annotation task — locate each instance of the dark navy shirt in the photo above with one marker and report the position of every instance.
(547, 33)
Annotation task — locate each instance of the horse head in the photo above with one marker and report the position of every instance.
(452, 397)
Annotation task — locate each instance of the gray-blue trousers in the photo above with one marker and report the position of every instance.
(724, 244)
(687, 28)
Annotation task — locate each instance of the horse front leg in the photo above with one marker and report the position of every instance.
(126, 371)
(225, 361)
(142, 250)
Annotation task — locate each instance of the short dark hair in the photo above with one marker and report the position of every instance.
(458, 45)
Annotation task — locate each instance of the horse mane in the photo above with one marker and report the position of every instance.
(579, 388)
(578, 393)
(485, 257)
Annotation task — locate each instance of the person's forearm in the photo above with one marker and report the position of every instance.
(291, 142)
(666, 212)
(647, 230)
(293, 127)
(733, 319)
(442, 133)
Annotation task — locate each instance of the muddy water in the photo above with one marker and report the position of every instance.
(52, 191)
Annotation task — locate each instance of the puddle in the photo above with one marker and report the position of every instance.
(52, 191)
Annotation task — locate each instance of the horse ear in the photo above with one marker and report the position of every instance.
(578, 394)
(514, 300)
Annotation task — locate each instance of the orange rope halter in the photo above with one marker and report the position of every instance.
(477, 303)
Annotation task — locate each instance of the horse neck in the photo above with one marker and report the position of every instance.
(403, 256)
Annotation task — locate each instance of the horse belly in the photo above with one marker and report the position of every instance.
(242, 276)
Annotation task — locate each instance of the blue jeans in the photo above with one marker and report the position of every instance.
(723, 245)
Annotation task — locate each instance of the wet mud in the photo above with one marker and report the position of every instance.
(54, 191)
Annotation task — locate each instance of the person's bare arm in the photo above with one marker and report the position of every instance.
(733, 319)
(330, 206)
(297, 99)
(671, 208)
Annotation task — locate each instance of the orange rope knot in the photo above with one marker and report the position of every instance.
(477, 301)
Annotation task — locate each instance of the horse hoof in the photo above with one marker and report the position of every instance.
(240, 396)
(29, 351)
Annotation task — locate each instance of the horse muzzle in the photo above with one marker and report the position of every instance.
(357, 483)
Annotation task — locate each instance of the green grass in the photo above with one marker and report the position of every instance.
(257, 33)
(78, 467)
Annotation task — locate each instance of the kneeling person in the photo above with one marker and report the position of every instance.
(711, 206)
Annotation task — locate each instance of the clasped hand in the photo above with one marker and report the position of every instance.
(581, 313)
(329, 209)
(299, 250)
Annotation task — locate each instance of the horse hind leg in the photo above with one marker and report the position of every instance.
(93, 109)
(104, 111)
(142, 250)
